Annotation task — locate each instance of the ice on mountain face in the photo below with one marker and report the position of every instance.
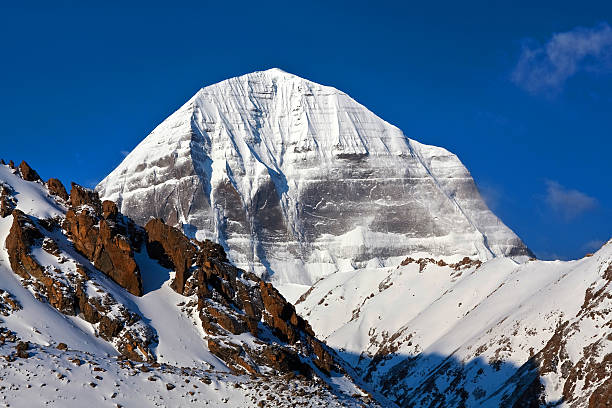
(299, 180)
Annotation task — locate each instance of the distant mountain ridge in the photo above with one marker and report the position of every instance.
(298, 180)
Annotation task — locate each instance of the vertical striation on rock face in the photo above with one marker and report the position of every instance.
(279, 169)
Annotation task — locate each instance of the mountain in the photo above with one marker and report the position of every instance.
(298, 180)
(408, 291)
(494, 334)
(99, 310)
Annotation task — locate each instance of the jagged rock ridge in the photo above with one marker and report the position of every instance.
(82, 257)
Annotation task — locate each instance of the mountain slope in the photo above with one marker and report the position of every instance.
(86, 293)
(492, 334)
(298, 180)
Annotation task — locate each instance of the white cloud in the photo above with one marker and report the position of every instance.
(546, 68)
(124, 153)
(492, 195)
(593, 245)
(567, 202)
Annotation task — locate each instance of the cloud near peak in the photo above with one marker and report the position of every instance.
(567, 202)
(545, 68)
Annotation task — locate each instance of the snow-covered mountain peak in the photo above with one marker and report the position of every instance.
(298, 180)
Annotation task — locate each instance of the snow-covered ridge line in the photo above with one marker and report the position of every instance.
(486, 334)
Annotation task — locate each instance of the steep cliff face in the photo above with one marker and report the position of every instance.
(299, 180)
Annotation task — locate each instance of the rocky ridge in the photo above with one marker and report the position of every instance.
(87, 260)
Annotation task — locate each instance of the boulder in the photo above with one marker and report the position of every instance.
(27, 173)
(172, 249)
(56, 188)
(109, 210)
(80, 195)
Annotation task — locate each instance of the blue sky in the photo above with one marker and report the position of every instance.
(522, 93)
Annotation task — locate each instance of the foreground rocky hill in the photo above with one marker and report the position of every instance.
(96, 298)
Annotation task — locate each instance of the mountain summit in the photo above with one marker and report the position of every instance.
(298, 180)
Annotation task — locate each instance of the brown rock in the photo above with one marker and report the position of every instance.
(226, 321)
(103, 242)
(172, 249)
(282, 317)
(83, 196)
(602, 396)
(82, 229)
(113, 255)
(109, 210)
(56, 188)
(231, 354)
(50, 246)
(62, 346)
(21, 236)
(69, 296)
(7, 201)
(27, 173)
(284, 360)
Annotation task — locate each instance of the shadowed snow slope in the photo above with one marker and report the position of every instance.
(474, 335)
(298, 180)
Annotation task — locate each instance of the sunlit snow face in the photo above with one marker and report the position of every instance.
(286, 173)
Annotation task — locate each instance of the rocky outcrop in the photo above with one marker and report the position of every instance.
(21, 237)
(590, 373)
(28, 173)
(81, 196)
(465, 263)
(8, 304)
(56, 188)
(72, 292)
(172, 249)
(7, 201)
(231, 301)
(105, 238)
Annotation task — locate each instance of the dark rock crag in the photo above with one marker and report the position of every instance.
(231, 301)
(228, 301)
(105, 238)
(67, 292)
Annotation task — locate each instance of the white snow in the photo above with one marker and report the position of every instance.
(501, 310)
(274, 137)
